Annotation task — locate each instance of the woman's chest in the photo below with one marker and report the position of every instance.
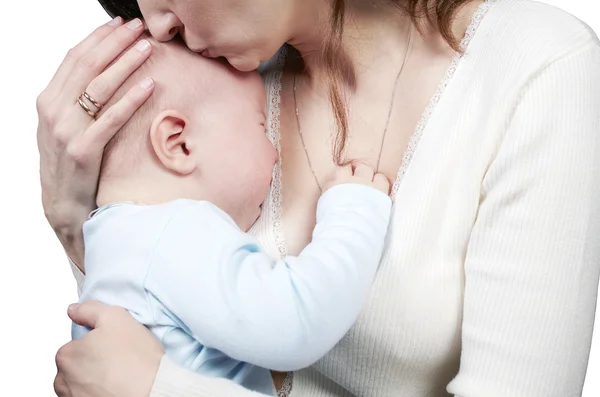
(381, 130)
(434, 144)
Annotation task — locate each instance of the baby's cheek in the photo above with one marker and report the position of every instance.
(274, 154)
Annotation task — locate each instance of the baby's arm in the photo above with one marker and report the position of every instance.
(279, 314)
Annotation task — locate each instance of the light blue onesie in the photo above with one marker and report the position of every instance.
(221, 306)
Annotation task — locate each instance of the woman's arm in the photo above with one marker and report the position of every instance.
(533, 262)
(122, 358)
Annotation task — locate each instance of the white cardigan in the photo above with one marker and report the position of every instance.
(488, 284)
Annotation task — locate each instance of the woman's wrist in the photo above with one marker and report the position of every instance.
(73, 245)
(68, 226)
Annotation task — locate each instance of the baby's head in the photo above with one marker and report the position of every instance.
(200, 136)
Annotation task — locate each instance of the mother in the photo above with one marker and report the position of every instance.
(488, 285)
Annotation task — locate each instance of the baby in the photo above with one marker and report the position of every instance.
(181, 184)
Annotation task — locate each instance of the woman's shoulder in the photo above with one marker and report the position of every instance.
(532, 31)
(515, 40)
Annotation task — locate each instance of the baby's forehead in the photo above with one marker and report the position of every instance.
(173, 61)
(187, 77)
(174, 54)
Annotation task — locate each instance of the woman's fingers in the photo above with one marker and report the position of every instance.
(60, 386)
(114, 118)
(103, 87)
(92, 314)
(105, 360)
(63, 73)
(86, 314)
(94, 61)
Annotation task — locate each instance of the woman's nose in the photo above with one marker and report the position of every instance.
(165, 27)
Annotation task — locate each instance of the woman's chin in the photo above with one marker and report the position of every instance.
(243, 64)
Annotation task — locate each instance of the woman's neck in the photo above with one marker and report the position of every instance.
(374, 31)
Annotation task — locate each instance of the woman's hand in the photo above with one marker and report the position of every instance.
(118, 358)
(70, 141)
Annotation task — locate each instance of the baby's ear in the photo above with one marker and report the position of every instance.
(169, 137)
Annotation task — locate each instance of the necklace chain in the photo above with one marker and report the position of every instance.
(387, 122)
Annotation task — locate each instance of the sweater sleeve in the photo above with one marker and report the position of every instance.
(533, 260)
(282, 314)
(173, 380)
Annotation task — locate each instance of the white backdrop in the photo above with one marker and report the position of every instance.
(36, 285)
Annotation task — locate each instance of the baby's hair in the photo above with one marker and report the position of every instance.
(122, 150)
(121, 154)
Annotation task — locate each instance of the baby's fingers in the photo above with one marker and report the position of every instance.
(114, 118)
(363, 172)
(381, 183)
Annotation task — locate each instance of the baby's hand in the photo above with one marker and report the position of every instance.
(361, 174)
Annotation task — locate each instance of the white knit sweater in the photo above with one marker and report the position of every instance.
(488, 284)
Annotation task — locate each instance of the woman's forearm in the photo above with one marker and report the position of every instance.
(175, 381)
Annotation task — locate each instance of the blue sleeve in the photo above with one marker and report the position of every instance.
(279, 314)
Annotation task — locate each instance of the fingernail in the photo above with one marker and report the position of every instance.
(116, 21)
(142, 46)
(72, 307)
(134, 24)
(147, 83)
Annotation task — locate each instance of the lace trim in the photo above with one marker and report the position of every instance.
(273, 132)
(286, 386)
(418, 132)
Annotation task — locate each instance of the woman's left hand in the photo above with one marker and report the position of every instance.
(119, 357)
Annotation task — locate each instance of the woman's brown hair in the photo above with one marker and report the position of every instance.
(437, 13)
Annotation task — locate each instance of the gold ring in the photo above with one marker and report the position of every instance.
(92, 100)
(86, 108)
